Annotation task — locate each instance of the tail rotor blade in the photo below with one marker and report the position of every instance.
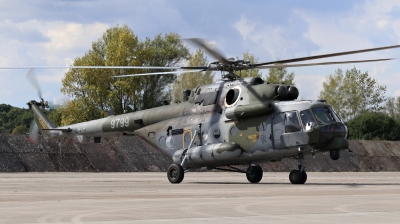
(33, 132)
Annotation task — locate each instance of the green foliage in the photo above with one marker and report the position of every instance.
(95, 91)
(374, 126)
(192, 80)
(161, 51)
(18, 121)
(13, 117)
(353, 93)
(54, 116)
(20, 130)
(392, 107)
(279, 76)
(247, 56)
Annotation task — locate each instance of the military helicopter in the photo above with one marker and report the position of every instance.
(232, 122)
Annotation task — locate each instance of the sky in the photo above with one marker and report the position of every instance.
(54, 33)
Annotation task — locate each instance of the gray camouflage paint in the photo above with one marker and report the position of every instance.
(250, 129)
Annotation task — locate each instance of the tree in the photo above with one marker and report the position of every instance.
(374, 126)
(192, 80)
(392, 107)
(247, 56)
(12, 117)
(161, 51)
(20, 130)
(353, 93)
(95, 91)
(279, 76)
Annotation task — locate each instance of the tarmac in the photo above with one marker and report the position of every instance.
(202, 197)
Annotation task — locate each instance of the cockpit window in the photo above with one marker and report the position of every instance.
(291, 122)
(307, 119)
(322, 115)
(333, 114)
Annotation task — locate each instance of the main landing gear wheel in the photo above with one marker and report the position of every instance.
(304, 175)
(254, 173)
(334, 154)
(297, 177)
(175, 173)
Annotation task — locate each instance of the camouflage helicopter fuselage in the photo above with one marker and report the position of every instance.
(233, 122)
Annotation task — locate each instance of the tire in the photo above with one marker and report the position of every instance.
(175, 173)
(304, 177)
(334, 154)
(295, 177)
(254, 174)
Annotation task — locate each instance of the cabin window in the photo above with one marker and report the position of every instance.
(307, 119)
(291, 122)
(234, 131)
(217, 133)
(162, 142)
(206, 99)
(199, 99)
(210, 98)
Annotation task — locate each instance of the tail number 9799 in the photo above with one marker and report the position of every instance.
(120, 122)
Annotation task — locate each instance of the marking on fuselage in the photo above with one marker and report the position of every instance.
(42, 123)
(252, 137)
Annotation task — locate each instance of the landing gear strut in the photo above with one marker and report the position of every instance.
(175, 172)
(298, 176)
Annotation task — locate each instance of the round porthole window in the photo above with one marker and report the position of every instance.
(217, 133)
(234, 131)
(232, 96)
(161, 142)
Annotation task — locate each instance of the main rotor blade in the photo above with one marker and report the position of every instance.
(321, 63)
(217, 55)
(324, 56)
(33, 81)
(95, 67)
(156, 73)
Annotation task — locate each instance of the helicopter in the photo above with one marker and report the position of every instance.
(232, 122)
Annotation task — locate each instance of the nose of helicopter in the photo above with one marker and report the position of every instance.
(333, 130)
(334, 136)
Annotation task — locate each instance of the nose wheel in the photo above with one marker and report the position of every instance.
(298, 176)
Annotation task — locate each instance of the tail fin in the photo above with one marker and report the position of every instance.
(41, 120)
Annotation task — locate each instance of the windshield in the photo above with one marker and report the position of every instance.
(307, 119)
(334, 114)
(325, 115)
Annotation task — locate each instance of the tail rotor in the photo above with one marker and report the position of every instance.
(33, 132)
(35, 106)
